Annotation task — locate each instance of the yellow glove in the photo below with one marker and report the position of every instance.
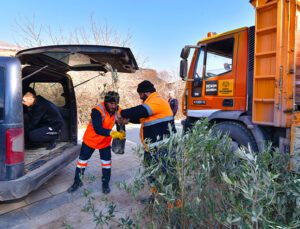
(122, 135)
(118, 134)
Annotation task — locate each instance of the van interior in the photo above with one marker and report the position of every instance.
(54, 87)
(45, 69)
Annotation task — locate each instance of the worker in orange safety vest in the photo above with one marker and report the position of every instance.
(98, 135)
(154, 114)
(156, 118)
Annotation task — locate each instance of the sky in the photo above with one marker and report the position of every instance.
(159, 28)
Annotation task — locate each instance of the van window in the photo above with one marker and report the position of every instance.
(53, 92)
(1, 93)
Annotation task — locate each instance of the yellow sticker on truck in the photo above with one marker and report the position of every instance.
(225, 87)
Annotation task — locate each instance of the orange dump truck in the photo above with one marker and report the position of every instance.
(247, 81)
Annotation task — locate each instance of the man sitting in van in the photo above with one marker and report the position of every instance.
(44, 119)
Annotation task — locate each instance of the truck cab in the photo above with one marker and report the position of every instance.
(217, 79)
(219, 84)
(246, 81)
(46, 69)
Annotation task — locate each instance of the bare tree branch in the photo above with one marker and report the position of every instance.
(31, 34)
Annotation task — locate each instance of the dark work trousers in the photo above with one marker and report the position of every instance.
(85, 154)
(168, 166)
(42, 135)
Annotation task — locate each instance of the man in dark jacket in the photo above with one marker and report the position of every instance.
(44, 119)
(173, 102)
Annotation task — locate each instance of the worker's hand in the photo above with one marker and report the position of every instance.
(118, 134)
(118, 114)
(123, 134)
(123, 121)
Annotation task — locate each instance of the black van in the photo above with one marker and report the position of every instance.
(46, 70)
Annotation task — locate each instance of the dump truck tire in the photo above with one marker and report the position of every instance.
(238, 133)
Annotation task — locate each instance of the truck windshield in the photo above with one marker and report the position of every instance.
(1, 93)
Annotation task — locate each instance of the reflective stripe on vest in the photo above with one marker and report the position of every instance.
(103, 113)
(159, 111)
(91, 138)
(150, 123)
(149, 111)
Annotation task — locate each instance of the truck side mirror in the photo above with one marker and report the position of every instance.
(185, 52)
(183, 69)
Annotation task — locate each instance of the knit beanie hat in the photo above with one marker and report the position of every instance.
(145, 86)
(112, 96)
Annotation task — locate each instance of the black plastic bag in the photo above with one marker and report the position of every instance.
(118, 146)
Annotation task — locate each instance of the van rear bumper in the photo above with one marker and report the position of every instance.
(14, 189)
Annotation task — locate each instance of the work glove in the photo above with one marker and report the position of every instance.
(118, 134)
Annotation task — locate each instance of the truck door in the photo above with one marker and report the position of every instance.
(218, 79)
(198, 74)
(218, 74)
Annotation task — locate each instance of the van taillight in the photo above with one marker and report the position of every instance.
(14, 146)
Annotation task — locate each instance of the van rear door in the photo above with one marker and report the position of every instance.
(11, 120)
(64, 58)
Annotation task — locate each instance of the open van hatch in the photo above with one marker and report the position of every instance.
(64, 58)
(46, 70)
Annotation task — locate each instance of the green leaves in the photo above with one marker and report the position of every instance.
(200, 182)
(239, 188)
(226, 179)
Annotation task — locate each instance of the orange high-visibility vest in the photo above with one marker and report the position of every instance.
(159, 110)
(94, 140)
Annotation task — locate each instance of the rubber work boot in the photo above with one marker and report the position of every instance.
(105, 188)
(76, 185)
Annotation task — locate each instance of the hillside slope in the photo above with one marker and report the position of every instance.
(91, 92)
